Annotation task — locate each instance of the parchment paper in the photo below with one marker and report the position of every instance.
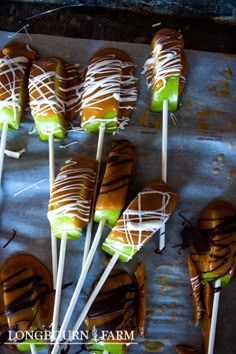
(201, 167)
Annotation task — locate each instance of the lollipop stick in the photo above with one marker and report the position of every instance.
(214, 317)
(33, 349)
(57, 300)
(51, 180)
(164, 161)
(96, 291)
(51, 160)
(90, 224)
(2, 146)
(79, 285)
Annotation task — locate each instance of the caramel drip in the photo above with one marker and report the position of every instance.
(144, 216)
(72, 191)
(167, 59)
(119, 169)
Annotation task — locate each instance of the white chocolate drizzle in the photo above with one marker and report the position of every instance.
(12, 73)
(137, 226)
(43, 96)
(104, 81)
(51, 93)
(165, 61)
(72, 194)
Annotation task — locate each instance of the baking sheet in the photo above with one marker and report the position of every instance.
(201, 167)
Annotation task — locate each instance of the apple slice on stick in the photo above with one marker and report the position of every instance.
(165, 70)
(69, 209)
(54, 90)
(15, 62)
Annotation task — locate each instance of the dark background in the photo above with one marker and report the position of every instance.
(206, 25)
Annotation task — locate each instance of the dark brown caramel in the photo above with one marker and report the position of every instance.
(217, 224)
(27, 297)
(116, 180)
(120, 305)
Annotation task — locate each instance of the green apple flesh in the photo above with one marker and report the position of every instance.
(169, 92)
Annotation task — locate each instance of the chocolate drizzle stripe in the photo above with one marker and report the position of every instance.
(117, 160)
(13, 275)
(33, 279)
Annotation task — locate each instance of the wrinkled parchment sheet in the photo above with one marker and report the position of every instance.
(201, 168)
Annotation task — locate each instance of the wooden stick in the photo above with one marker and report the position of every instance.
(164, 161)
(214, 314)
(2, 146)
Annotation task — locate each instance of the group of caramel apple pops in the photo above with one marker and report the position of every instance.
(105, 97)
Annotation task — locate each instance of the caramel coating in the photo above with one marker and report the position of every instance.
(222, 240)
(116, 180)
(156, 201)
(26, 302)
(73, 191)
(120, 304)
(54, 89)
(169, 42)
(217, 223)
(15, 59)
(109, 86)
(15, 49)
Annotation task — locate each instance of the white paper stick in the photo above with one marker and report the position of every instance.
(214, 314)
(79, 285)
(88, 235)
(96, 291)
(100, 142)
(58, 289)
(164, 162)
(54, 259)
(33, 349)
(51, 160)
(2, 146)
(164, 141)
(51, 180)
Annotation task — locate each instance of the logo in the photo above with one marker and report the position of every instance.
(72, 337)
